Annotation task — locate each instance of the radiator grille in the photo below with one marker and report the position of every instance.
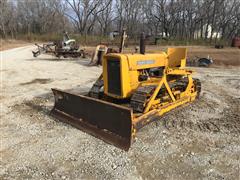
(114, 76)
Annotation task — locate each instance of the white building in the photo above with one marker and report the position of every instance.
(197, 34)
(113, 34)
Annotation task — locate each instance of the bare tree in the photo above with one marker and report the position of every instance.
(83, 12)
(105, 18)
(129, 15)
(7, 19)
(176, 19)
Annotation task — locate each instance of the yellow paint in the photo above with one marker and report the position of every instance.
(132, 65)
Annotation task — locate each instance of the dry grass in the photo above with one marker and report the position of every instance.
(9, 44)
(222, 57)
(226, 56)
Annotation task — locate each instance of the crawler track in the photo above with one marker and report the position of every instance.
(142, 94)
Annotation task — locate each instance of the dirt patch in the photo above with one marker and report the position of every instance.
(228, 122)
(10, 44)
(180, 140)
(37, 81)
(221, 57)
(227, 57)
(197, 141)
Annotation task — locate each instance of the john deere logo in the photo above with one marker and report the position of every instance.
(144, 62)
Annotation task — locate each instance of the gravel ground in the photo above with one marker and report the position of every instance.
(199, 141)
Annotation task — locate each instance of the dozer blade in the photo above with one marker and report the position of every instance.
(107, 121)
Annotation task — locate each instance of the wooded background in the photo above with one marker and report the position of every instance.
(173, 19)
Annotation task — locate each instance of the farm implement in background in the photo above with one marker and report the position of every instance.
(66, 48)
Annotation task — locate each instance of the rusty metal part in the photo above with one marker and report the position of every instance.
(123, 38)
(98, 54)
(101, 50)
(200, 61)
(142, 43)
(66, 54)
(236, 42)
(45, 48)
(66, 48)
(57, 50)
(107, 121)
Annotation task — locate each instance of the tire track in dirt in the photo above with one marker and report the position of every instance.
(226, 121)
(210, 126)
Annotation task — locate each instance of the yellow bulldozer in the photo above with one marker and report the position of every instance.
(132, 89)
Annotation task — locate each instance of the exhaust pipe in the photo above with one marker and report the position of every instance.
(123, 37)
(142, 43)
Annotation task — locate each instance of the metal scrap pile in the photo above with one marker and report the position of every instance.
(66, 48)
(200, 62)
